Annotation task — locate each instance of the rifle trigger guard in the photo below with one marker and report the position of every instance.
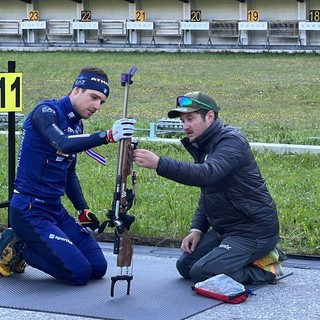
(121, 277)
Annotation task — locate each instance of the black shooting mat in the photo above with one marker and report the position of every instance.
(157, 291)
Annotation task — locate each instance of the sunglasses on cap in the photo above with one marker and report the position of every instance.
(187, 102)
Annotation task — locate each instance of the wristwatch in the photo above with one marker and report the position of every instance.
(103, 135)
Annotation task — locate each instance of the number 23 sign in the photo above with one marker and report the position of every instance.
(10, 92)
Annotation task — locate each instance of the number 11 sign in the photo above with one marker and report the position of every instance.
(10, 92)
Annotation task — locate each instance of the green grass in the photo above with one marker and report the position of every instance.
(271, 97)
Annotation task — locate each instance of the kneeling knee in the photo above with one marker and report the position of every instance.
(77, 277)
(98, 271)
(195, 274)
(198, 274)
(183, 269)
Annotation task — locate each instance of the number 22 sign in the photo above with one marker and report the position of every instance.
(10, 92)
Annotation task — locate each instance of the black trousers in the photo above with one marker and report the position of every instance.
(233, 256)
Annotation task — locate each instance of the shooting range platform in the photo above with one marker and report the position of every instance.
(157, 292)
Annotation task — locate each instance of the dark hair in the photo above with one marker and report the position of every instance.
(203, 113)
(94, 70)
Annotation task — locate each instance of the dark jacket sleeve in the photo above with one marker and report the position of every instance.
(215, 172)
(73, 189)
(228, 155)
(200, 221)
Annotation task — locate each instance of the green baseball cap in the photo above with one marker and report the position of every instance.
(191, 102)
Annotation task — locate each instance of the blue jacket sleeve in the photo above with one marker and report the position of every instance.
(47, 124)
(73, 189)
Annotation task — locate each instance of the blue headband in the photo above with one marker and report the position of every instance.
(92, 81)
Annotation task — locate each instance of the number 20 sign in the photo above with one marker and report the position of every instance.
(10, 92)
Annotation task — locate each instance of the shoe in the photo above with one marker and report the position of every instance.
(5, 270)
(282, 255)
(270, 258)
(19, 266)
(275, 268)
(7, 251)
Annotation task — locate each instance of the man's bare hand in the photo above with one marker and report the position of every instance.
(190, 242)
(145, 158)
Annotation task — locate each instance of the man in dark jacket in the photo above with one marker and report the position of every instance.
(43, 234)
(235, 228)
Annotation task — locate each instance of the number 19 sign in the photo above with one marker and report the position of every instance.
(10, 92)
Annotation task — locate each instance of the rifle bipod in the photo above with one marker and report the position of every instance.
(121, 277)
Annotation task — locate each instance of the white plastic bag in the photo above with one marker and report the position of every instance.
(221, 284)
(224, 288)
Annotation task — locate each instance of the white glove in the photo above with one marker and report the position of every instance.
(121, 129)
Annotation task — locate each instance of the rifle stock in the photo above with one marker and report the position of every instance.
(125, 250)
(123, 199)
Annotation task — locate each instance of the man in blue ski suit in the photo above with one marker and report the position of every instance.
(43, 234)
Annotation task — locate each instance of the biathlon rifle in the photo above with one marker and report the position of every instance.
(123, 198)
